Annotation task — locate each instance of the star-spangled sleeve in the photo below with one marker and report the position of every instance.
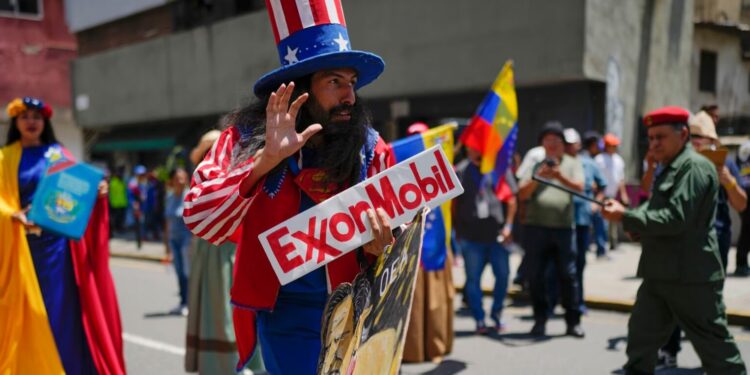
(214, 208)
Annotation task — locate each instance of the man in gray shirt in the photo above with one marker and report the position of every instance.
(548, 231)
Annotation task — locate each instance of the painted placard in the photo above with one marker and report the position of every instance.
(365, 322)
(66, 195)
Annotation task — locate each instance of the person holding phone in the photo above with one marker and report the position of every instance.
(549, 229)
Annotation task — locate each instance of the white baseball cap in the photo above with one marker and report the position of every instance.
(744, 152)
(571, 136)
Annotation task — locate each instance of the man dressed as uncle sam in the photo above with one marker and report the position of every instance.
(305, 138)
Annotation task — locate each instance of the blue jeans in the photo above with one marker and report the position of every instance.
(476, 256)
(600, 233)
(180, 247)
(290, 335)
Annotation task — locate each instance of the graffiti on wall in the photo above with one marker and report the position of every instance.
(614, 108)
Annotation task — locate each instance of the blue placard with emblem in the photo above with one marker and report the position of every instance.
(66, 195)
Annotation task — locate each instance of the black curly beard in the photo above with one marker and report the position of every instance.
(339, 143)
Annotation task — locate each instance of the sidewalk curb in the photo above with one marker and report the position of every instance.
(146, 257)
(734, 317)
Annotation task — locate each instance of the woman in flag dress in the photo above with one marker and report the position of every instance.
(58, 309)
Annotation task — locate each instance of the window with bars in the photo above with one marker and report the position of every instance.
(21, 8)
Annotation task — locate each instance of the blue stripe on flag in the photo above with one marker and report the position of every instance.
(407, 147)
(436, 236)
(434, 244)
(488, 108)
(502, 161)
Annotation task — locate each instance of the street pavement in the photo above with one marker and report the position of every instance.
(154, 340)
(609, 284)
(515, 352)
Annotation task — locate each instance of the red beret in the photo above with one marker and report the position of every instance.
(667, 115)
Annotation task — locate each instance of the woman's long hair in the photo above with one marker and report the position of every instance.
(342, 142)
(47, 137)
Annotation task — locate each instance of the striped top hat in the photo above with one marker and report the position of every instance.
(311, 35)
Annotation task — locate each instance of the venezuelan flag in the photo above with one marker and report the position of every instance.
(494, 128)
(437, 236)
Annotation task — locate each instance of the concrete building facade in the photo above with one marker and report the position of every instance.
(36, 49)
(591, 64)
(720, 62)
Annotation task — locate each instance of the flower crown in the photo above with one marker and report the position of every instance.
(18, 106)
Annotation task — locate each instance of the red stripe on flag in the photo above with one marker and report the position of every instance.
(291, 14)
(340, 11)
(274, 27)
(503, 191)
(493, 144)
(475, 134)
(320, 12)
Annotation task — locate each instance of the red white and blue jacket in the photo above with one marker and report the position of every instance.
(215, 211)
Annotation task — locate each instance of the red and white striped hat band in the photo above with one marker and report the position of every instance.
(290, 16)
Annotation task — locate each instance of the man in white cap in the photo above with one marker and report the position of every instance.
(593, 186)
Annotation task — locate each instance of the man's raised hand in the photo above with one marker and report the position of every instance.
(282, 139)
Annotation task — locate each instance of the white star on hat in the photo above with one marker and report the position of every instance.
(291, 55)
(343, 43)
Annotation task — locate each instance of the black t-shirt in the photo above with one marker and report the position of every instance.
(478, 214)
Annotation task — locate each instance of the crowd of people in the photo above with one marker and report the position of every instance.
(570, 188)
(555, 229)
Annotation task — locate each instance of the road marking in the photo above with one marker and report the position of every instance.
(138, 264)
(153, 344)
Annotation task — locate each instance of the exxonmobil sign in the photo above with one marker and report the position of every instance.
(323, 233)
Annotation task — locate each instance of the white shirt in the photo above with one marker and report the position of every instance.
(613, 169)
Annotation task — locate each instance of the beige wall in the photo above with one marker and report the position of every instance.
(718, 10)
(732, 81)
(68, 133)
(668, 81)
(643, 69)
(448, 48)
(616, 64)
